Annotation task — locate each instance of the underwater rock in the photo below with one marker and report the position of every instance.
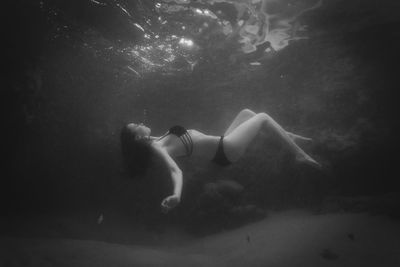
(220, 205)
(387, 204)
(220, 190)
(248, 212)
(229, 187)
(345, 204)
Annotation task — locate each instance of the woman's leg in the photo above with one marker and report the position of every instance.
(237, 141)
(246, 114)
(296, 138)
(242, 116)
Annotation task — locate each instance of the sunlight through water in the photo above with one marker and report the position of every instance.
(189, 29)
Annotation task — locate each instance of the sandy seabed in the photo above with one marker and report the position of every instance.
(290, 238)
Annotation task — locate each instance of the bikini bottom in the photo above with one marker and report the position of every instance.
(220, 157)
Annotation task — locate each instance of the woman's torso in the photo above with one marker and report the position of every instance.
(204, 146)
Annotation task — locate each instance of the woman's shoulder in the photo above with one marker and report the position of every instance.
(155, 145)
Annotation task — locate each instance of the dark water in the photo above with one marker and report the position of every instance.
(77, 70)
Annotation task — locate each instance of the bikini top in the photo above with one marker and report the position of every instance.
(183, 135)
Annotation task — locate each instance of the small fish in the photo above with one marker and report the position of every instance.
(98, 3)
(139, 27)
(100, 219)
(248, 238)
(133, 70)
(123, 10)
(350, 236)
(327, 254)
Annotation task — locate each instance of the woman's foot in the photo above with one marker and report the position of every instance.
(298, 138)
(306, 159)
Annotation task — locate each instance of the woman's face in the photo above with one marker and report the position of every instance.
(141, 130)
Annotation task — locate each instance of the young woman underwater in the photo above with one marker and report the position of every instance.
(138, 146)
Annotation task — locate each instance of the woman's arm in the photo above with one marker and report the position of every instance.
(176, 177)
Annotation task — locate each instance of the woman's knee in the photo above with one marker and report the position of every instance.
(247, 112)
(264, 117)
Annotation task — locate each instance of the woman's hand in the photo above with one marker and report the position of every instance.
(169, 203)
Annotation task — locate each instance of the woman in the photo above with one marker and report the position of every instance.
(138, 146)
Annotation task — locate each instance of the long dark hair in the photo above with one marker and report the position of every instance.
(136, 153)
